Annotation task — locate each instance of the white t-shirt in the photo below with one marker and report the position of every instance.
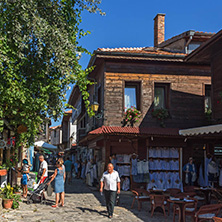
(110, 180)
(43, 165)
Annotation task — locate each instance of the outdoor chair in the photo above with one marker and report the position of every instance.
(217, 196)
(159, 201)
(190, 209)
(217, 219)
(141, 195)
(173, 191)
(190, 191)
(207, 212)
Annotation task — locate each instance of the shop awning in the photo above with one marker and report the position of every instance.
(45, 145)
(46, 151)
(201, 130)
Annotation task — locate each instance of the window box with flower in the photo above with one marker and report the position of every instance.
(161, 114)
(132, 115)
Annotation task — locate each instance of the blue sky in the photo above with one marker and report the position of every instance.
(129, 23)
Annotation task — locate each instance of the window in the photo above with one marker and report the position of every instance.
(193, 46)
(207, 99)
(161, 93)
(132, 95)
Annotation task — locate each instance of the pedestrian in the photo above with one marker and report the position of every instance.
(190, 171)
(43, 169)
(213, 172)
(59, 176)
(68, 169)
(79, 169)
(110, 182)
(25, 177)
(113, 160)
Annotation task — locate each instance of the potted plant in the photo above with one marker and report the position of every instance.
(7, 196)
(3, 170)
(16, 200)
(161, 114)
(132, 115)
(208, 115)
(16, 189)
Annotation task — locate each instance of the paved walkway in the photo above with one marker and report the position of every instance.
(81, 204)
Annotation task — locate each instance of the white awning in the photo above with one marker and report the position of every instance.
(201, 130)
(45, 145)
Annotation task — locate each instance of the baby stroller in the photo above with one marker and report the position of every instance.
(37, 195)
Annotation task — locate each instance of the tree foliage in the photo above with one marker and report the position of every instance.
(39, 59)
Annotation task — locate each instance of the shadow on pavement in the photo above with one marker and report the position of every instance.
(84, 209)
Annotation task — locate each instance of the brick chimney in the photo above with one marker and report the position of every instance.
(159, 29)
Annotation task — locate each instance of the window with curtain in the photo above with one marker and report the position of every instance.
(159, 97)
(207, 99)
(130, 97)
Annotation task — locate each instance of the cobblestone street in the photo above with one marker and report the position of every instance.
(81, 204)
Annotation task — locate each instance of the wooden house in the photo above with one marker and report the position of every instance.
(147, 78)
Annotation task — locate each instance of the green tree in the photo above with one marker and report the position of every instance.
(39, 59)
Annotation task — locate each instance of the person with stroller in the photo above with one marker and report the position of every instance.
(25, 177)
(59, 176)
(43, 169)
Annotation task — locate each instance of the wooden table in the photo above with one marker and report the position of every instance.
(206, 192)
(156, 191)
(182, 207)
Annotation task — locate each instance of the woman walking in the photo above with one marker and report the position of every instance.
(59, 176)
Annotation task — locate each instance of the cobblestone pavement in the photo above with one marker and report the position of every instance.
(82, 204)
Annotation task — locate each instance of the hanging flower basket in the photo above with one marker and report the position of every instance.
(161, 115)
(132, 115)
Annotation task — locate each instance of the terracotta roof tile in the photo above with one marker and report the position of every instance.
(54, 127)
(114, 130)
(69, 111)
(141, 50)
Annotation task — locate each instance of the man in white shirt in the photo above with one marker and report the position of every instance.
(110, 182)
(43, 169)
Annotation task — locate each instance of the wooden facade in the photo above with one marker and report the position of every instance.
(186, 83)
(210, 53)
(186, 91)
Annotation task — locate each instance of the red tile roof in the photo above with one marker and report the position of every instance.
(115, 130)
(69, 111)
(54, 127)
(141, 50)
(197, 34)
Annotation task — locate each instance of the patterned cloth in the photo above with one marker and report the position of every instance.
(134, 167)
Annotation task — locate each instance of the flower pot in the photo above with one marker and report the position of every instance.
(3, 172)
(7, 203)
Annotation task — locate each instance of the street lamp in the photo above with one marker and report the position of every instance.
(95, 107)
